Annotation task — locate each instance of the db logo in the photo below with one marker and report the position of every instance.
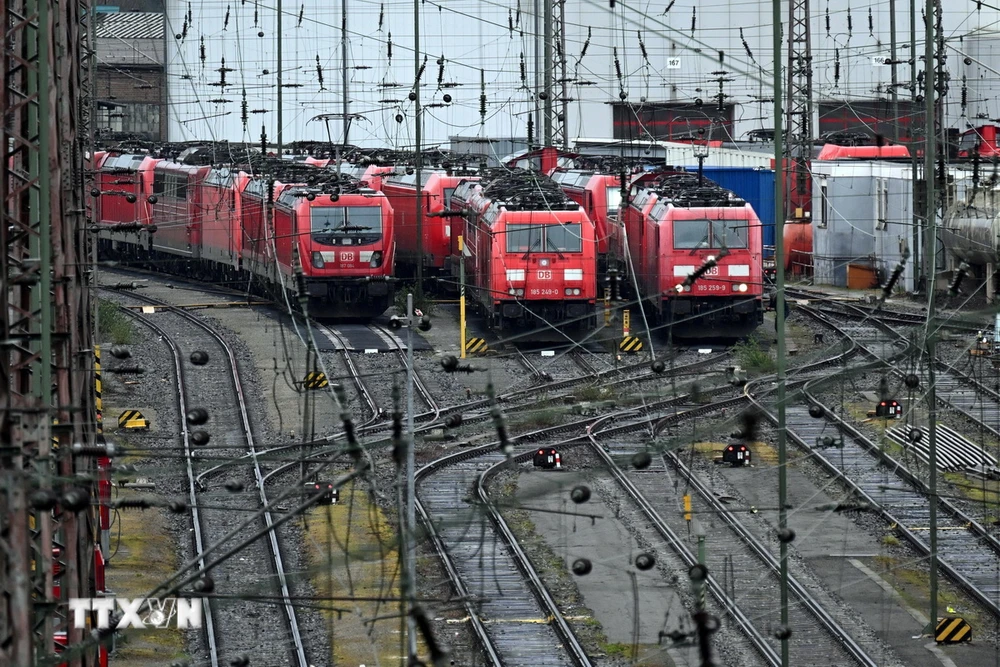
(347, 257)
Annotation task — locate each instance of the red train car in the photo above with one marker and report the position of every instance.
(222, 224)
(675, 225)
(178, 214)
(123, 197)
(439, 231)
(340, 232)
(532, 253)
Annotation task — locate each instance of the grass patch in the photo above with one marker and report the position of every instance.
(617, 650)
(536, 419)
(753, 357)
(592, 393)
(351, 551)
(914, 587)
(116, 326)
(890, 541)
(145, 556)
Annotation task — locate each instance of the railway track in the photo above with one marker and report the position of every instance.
(227, 635)
(967, 551)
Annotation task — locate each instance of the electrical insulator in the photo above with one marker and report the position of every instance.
(388, 46)
(302, 12)
(694, 19)
(225, 21)
(381, 16)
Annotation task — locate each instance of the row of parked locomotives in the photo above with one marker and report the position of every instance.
(531, 251)
(296, 232)
(680, 225)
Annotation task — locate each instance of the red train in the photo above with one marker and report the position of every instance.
(675, 223)
(440, 228)
(600, 195)
(532, 252)
(233, 225)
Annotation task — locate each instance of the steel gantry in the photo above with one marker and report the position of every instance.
(798, 126)
(46, 404)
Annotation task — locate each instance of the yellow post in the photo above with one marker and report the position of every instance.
(626, 323)
(687, 507)
(461, 295)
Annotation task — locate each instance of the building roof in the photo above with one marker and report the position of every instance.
(131, 25)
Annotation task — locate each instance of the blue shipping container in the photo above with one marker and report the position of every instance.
(756, 185)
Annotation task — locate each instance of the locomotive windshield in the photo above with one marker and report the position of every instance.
(710, 234)
(544, 238)
(346, 225)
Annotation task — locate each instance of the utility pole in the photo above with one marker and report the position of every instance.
(538, 67)
(918, 261)
(930, 245)
(418, 163)
(411, 490)
(779, 314)
(280, 92)
(547, 74)
(894, 83)
(343, 73)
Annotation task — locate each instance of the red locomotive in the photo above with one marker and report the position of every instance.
(440, 229)
(532, 252)
(678, 224)
(223, 223)
(600, 195)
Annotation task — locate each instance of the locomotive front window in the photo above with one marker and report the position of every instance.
(346, 225)
(730, 233)
(524, 238)
(614, 200)
(563, 238)
(691, 233)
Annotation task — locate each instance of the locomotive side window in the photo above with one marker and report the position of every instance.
(614, 200)
(691, 233)
(563, 238)
(448, 193)
(340, 225)
(159, 183)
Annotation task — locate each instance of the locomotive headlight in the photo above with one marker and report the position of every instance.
(519, 291)
(576, 291)
(743, 287)
(317, 260)
(376, 259)
(569, 292)
(679, 288)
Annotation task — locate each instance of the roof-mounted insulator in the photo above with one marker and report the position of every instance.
(896, 273)
(225, 21)
(381, 16)
(963, 269)
(263, 140)
(531, 129)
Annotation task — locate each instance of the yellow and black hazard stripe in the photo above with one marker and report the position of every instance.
(315, 380)
(630, 344)
(951, 630)
(476, 346)
(132, 419)
(98, 399)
